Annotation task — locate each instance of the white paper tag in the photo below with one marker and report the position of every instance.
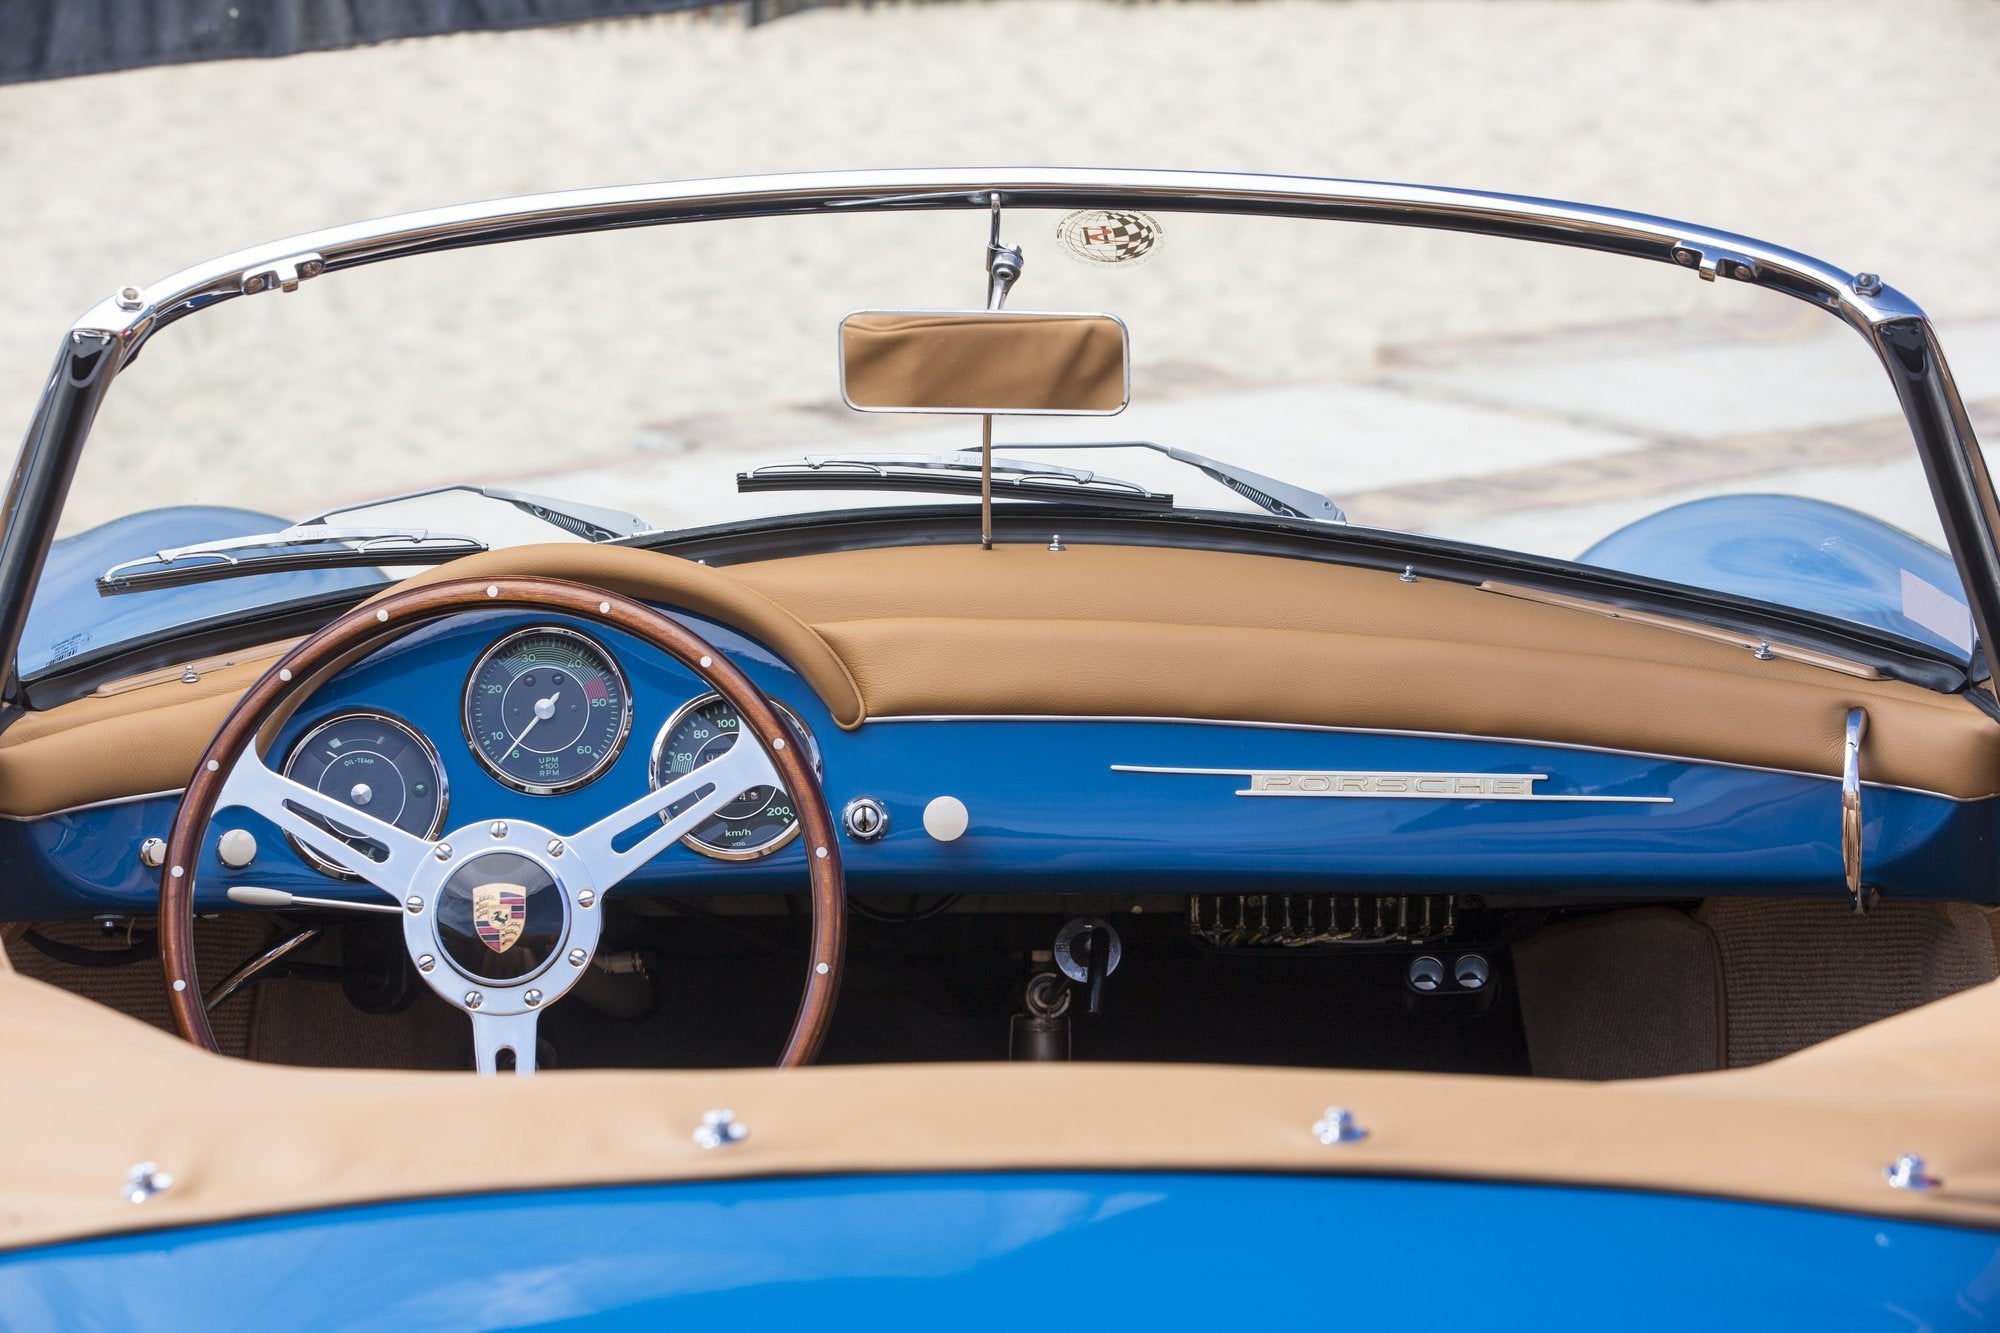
(1937, 611)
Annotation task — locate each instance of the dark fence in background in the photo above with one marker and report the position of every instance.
(55, 39)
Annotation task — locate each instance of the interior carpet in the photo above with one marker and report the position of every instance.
(1626, 994)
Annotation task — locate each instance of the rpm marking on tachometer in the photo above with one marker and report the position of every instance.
(546, 709)
(1107, 236)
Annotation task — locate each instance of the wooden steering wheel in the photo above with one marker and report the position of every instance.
(557, 880)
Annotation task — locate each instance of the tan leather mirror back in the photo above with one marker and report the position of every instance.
(984, 362)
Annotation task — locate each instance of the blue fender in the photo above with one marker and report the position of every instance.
(1801, 553)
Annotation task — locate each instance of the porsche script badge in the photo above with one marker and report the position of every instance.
(499, 913)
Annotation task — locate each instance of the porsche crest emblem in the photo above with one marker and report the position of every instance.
(499, 914)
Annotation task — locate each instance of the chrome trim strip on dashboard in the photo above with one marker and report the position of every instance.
(1415, 735)
(109, 801)
(1340, 785)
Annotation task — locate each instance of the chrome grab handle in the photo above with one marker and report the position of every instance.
(1850, 807)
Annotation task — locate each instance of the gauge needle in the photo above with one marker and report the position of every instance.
(544, 710)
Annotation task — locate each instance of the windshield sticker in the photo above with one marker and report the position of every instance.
(1936, 610)
(1099, 236)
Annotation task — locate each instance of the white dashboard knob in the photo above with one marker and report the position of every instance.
(237, 848)
(946, 819)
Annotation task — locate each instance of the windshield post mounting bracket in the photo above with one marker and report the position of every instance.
(283, 274)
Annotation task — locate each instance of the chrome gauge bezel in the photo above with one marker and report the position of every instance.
(603, 761)
(709, 849)
(429, 751)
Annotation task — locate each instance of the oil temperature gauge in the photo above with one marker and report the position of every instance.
(378, 765)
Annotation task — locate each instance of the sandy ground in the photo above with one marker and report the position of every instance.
(1859, 131)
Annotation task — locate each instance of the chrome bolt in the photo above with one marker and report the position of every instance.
(586, 898)
(1686, 258)
(442, 851)
(1763, 653)
(311, 268)
(1867, 284)
(1409, 574)
(578, 957)
(1907, 1173)
(414, 903)
(1338, 1126)
(719, 1129)
(425, 962)
(555, 847)
(1426, 973)
(473, 999)
(1055, 543)
(130, 298)
(499, 829)
(144, 1180)
(153, 853)
(533, 998)
(253, 285)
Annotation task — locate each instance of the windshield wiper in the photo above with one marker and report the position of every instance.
(303, 545)
(1267, 493)
(950, 474)
(593, 523)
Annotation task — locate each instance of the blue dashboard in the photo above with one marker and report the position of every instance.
(1068, 804)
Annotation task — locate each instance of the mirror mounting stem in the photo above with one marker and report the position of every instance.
(1003, 269)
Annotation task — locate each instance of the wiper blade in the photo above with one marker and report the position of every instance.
(301, 546)
(951, 474)
(1268, 493)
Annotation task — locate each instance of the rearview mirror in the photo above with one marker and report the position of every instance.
(984, 363)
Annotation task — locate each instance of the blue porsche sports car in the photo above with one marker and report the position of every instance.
(1133, 748)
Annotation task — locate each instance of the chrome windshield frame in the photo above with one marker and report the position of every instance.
(110, 334)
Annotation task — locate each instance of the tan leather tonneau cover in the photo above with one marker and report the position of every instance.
(89, 1092)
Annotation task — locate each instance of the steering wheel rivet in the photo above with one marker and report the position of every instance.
(284, 673)
(178, 872)
(707, 662)
(604, 608)
(179, 984)
(443, 851)
(777, 742)
(586, 898)
(492, 590)
(499, 829)
(425, 962)
(820, 852)
(555, 846)
(214, 766)
(414, 903)
(578, 957)
(473, 999)
(821, 969)
(382, 616)
(532, 999)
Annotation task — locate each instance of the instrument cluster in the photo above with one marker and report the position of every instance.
(545, 710)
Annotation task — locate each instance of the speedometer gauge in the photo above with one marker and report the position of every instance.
(546, 709)
(376, 764)
(756, 823)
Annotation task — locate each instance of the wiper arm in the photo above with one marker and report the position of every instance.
(593, 523)
(950, 474)
(1267, 493)
(301, 546)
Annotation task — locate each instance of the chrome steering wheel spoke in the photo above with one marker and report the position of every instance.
(254, 786)
(494, 1033)
(709, 788)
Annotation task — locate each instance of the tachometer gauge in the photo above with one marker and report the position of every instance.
(376, 764)
(546, 709)
(758, 822)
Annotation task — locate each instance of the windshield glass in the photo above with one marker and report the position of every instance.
(1543, 400)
